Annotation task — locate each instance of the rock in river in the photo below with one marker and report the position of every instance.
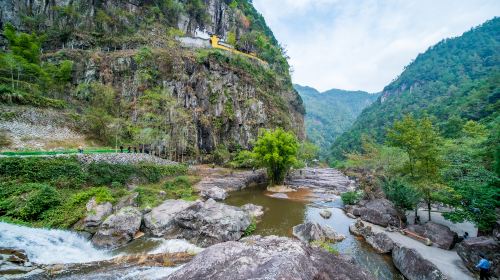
(255, 211)
(269, 257)
(96, 213)
(118, 229)
(210, 222)
(440, 235)
(310, 231)
(160, 220)
(214, 193)
(326, 214)
(470, 248)
(413, 266)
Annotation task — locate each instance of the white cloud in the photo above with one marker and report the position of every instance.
(364, 44)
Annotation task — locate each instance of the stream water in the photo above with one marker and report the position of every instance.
(282, 214)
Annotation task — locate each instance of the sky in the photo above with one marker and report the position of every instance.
(364, 44)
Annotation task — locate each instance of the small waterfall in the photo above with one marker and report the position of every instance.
(50, 246)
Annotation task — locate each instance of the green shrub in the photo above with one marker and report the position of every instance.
(41, 200)
(326, 246)
(244, 159)
(404, 196)
(350, 198)
(251, 228)
(221, 155)
(102, 173)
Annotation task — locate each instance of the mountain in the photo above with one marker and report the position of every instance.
(454, 81)
(330, 113)
(121, 71)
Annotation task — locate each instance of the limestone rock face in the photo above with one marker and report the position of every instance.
(470, 248)
(215, 193)
(310, 231)
(118, 229)
(269, 257)
(96, 215)
(210, 222)
(413, 266)
(377, 211)
(440, 235)
(160, 220)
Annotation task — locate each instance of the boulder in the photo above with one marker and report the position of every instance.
(496, 230)
(159, 220)
(269, 257)
(359, 229)
(214, 192)
(310, 231)
(127, 201)
(255, 211)
(413, 266)
(96, 213)
(326, 214)
(377, 211)
(380, 242)
(14, 263)
(470, 248)
(210, 222)
(118, 229)
(440, 235)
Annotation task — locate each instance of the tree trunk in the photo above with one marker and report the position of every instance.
(429, 209)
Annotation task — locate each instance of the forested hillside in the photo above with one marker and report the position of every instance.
(115, 71)
(454, 81)
(330, 113)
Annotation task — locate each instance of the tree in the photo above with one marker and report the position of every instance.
(277, 151)
(421, 141)
(308, 152)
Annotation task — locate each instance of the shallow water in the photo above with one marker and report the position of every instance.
(282, 214)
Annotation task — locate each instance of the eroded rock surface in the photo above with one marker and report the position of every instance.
(310, 231)
(255, 211)
(231, 182)
(320, 179)
(380, 242)
(214, 192)
(269, 257)
(118, 229)
(96, 213)
(377, 211)
(440, 235)
(469, 250)
(413, 266)
(160, 220)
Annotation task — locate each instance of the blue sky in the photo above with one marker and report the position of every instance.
(364, 44)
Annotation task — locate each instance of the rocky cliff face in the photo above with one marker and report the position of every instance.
(180, 101)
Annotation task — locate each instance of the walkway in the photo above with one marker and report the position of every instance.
(447, 261)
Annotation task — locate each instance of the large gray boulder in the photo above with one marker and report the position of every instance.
(214, 192)
(377, 211)
(470, 248)
(413, 266)
(210, 222)
(380, 242)
(309, 231)
(160, 220)
(96, 213)
(269, 257)
(440, 235)
(118, 229)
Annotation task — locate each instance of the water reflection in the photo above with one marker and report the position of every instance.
(282, 214)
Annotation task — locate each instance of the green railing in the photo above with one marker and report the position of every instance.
(57, 152)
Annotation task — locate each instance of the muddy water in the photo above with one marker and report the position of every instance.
(281, 214)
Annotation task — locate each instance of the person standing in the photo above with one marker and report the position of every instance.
(484, 266)
(129, 149)
(121, 148)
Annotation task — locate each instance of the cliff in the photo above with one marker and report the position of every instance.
(132, 82)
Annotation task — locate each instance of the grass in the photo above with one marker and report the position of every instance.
(325, 246)
(59, 152)
(180, 187)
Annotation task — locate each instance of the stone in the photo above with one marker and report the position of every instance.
(118, 229)
(17, 256)
(127, 201)
(159, 220)
(440, 235)
(326, 214)
(413, 266)
(359, 229)
(380, 242)
(253, 210)
(469, 250)
(350, 215)
(269, 257)
(210, 222)
(215, 193)
(320, 179)
(96, 213)
(378, 211)
(309, 231)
